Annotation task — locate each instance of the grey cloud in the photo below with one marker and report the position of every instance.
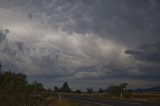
(82, 39)
(88, 75)
(117, 20)
(153, 46)
(133, 52)
(149, 57)
(147, 52)
(20, 45)
(103, 71)
(3, 34)
(145, 72)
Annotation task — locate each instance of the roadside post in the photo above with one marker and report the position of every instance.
(122, 86)
(121, 95)
(59, 97)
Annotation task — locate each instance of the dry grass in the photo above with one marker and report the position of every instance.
(151, 97)
(145, 97)
(53, 101)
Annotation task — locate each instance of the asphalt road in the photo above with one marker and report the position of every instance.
(106, 102)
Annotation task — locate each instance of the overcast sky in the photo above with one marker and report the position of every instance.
(89, 43)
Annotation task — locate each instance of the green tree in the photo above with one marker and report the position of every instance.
(16, 91)
(90, 90)
(56, 89)
(65, 88)
(38, 86)
(114, 90)
(117, 90)
(100, 90)
(78, 91)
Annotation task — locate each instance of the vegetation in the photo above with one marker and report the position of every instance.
(114, 90)
(56, 89)
(65, 88)
(16, 91)
(117, 90)
(52, 101)
(100, 90)
(78, 91)
(90, 90)
(151, 97)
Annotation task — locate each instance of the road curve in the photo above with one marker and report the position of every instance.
(106, 102)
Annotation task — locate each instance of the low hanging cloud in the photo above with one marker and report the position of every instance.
(149, 58)
(89, 75)
(147, 52)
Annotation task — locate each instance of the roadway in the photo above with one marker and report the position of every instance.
(106, 102)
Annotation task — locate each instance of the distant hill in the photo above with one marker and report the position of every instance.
(153, 89)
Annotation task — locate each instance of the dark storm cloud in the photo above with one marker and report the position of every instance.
(147, 52)
(3, 34)
(133, 52)
(119, 20)
(149, 55)
(153, 46)
(20, 46)
(82, 39)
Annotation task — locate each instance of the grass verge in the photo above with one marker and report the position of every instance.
(53, 101)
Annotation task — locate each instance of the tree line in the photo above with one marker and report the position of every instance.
(113, 90)
(15, 90)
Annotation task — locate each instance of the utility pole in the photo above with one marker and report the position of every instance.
(0, 67)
